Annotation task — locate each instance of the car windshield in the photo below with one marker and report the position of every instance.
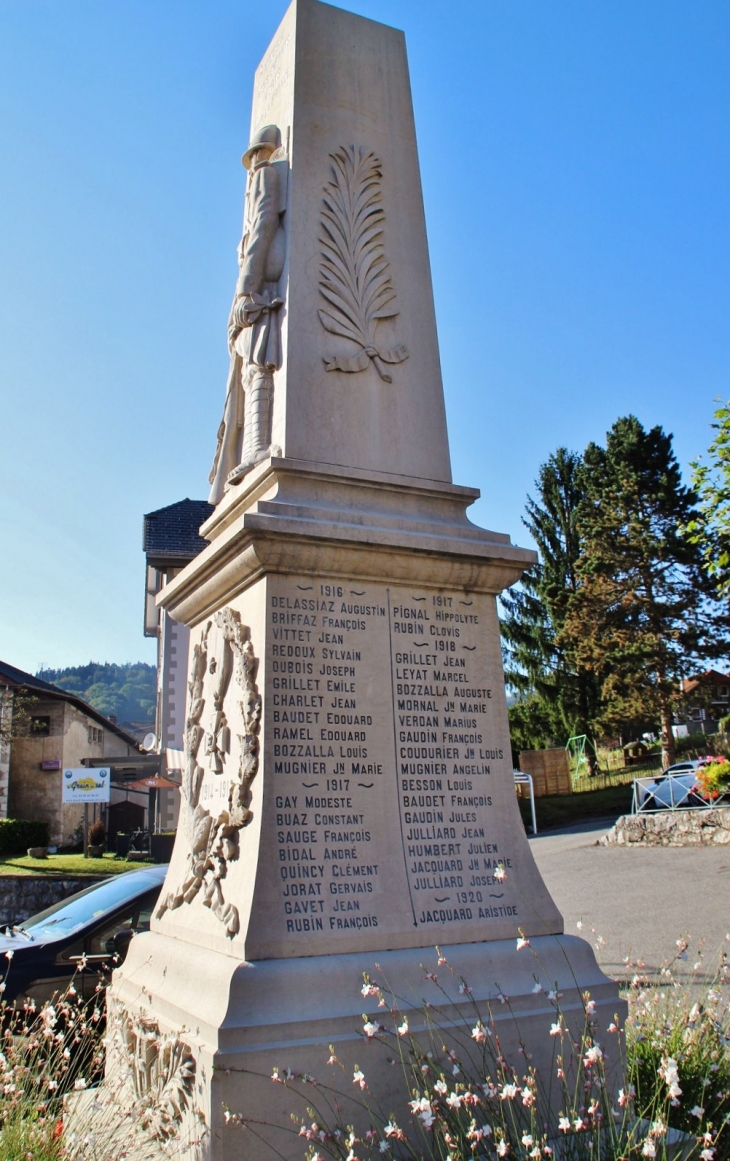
(72, 914)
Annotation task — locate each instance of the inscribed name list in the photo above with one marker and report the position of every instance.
(389, 798)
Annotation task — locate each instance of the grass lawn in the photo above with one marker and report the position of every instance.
(565, 809)
(67, 865)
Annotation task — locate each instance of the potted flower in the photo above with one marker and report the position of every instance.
(713, 778)
(96, 835)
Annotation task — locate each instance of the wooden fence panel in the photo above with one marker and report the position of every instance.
(549, 769)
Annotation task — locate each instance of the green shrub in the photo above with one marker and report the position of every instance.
(17, 834)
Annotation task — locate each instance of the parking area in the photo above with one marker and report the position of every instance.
(639, 900)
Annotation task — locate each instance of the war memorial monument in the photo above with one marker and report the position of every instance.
(348, 796)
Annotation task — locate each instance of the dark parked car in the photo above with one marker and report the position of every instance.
(672, 788)
(96, 924)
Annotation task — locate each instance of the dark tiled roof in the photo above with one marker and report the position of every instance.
(171, 534)
(18, 677)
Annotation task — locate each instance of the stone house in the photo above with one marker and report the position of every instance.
(44, 730)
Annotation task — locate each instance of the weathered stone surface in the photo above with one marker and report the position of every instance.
(348, 797)
(336, 86)
(242, 1020)
(672, 828)
(386, 814)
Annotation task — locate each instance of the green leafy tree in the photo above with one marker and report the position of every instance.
(558, 692)
(645, 611)
(16, 711)
(127, 692)
(710, 530)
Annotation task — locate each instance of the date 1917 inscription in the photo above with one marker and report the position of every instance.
(380, 737)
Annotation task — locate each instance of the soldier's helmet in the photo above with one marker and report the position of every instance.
(266, 138)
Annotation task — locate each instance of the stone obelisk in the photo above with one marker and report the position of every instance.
(348, 794)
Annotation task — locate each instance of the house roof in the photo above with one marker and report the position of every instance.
(709, 677)
(12, 676)
(19, 679)
(172, 534)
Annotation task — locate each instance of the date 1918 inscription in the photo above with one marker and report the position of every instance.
(379, 723)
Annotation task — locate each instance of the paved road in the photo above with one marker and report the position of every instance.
(638, 899)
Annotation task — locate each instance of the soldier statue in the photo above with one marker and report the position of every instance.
(254, 325)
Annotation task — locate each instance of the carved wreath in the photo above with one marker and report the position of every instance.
(213, 841)
(354, 273)
(160, 1068)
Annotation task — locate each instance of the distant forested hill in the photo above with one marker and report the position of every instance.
(126, 692)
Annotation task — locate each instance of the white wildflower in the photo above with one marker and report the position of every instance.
(593, 1055)
(509, 1092)
(422, 1109)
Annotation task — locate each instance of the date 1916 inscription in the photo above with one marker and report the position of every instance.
(374, 697)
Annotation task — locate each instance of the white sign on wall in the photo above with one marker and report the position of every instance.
(87, 784)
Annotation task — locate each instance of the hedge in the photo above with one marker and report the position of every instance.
(17, 834)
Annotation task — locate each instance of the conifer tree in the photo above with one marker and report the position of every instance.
(710, 531)
(645, 612)
(559, 695)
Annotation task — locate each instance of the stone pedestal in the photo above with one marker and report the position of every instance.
(242, 1022)
(349, 802)
(348, 796)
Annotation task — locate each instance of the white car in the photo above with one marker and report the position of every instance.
(688, 767)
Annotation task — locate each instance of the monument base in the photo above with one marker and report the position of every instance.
(205, 1060)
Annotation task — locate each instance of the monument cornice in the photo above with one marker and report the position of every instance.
(308, 519)
(222, 573)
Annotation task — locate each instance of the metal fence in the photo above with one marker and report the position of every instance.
(667, 792)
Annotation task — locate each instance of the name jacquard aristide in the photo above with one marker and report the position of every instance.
(324, 739)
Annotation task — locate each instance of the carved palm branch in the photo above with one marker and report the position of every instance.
(354, 272)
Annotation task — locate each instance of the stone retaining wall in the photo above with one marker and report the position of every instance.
(23, 895)
(672, 828)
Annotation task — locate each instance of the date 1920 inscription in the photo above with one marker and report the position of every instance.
(374, 696)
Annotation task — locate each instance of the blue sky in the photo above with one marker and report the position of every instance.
(576, 178)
